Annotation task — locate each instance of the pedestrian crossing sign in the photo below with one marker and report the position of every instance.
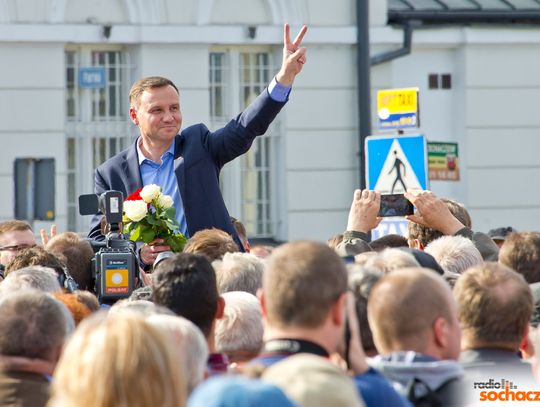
(395, 164)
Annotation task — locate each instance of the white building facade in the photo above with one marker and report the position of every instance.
(297, 181)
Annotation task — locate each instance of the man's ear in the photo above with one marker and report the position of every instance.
(133, 116)
(525, 346)
(220, 309)
(338, 310)
(262, 301)
(441, 330)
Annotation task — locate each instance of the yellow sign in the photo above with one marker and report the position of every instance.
(398, 108)
(116, 281)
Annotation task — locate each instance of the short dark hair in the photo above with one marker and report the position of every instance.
(35, 256)
(213, 243)
(32, 324)
(302, 282)
(150, 82)
(12, 225)
(391, 240)
(186, 284)
(78, 256)
(521, 252)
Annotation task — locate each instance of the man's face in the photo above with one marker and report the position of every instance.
(158, 114)
(14, 241)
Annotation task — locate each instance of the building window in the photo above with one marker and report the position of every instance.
(249, 72)
(97, 122)
(439, 81)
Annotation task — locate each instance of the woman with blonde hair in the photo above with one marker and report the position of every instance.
(119, 361)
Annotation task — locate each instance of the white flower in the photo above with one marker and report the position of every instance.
(150, 192)
(135, 210)
(164, 201)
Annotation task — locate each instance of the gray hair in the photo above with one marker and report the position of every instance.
(239, 272)
(455, 254)
(189, 342)
(241, 328)
(33, 324)
(38, 278)
(388, 260)
(142, 308)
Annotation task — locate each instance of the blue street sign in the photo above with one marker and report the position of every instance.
(92, 77)
(395, 164)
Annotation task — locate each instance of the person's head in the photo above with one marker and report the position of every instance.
(261, 251)
(127, 361)
(242, 233)
(155, 109)
(304, 287)
(495, 305)
(78, 309)
(239, 333)
(388, 241)
(190, 344)
(334, 241)
(141, 308)
(33, 325)
(239, 272)
(142, 293)
(186, 284)
(498, 235)
(413, 310)
(88, 299)
(313, 381)
(78, 256)
(213, 243)
(521, 252)
(236, 390)
(35, 256)
(390, 259)
(361, 281)
(420, 236)
(15, 235)
(455, 254)
(34, 277)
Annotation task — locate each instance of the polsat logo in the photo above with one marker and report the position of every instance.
(504, 390)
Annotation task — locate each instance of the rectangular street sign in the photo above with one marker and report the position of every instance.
(443, 161)
(398, 108)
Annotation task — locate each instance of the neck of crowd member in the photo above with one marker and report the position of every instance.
(22, 364)
(153, 150)
(320, 336)
(471, 344)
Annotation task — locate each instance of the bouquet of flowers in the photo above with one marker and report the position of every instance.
(149, 214)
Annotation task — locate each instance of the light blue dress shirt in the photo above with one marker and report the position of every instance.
(163, 174)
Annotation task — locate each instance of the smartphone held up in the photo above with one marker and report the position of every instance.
(395, 205)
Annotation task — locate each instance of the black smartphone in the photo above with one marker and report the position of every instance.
(395, 205)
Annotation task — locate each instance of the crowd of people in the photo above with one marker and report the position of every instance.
(444, 317)
(427, 320)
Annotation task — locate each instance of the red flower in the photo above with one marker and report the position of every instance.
(135, 196)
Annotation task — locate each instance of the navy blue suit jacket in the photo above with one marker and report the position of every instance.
(199, 156)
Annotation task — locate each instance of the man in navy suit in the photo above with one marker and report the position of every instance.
(187, 165)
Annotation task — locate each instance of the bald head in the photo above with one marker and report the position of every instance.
(404, 308)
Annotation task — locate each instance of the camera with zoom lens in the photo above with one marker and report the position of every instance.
(116, 265)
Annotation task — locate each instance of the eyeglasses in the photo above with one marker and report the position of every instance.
(16, 248)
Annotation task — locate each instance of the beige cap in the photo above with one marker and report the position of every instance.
(313, 381)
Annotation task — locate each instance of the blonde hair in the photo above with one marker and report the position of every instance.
(127, 361)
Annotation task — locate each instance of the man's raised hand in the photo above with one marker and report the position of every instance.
(294, 56)
(363, 215)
